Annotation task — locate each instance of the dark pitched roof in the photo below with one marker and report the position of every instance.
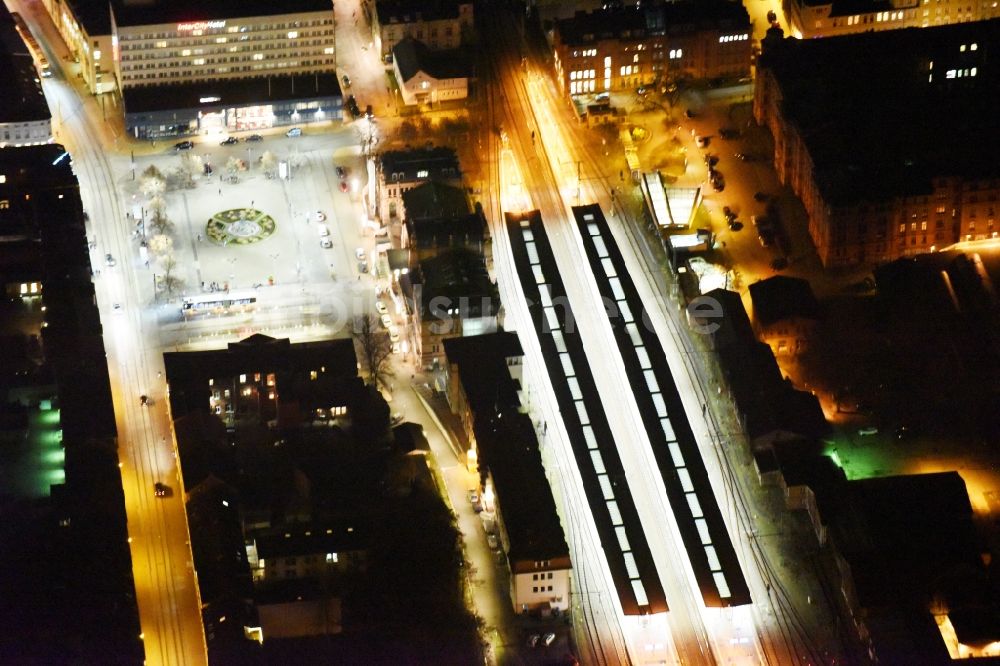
(411, 57)
(435, 199)
(18, 77)
(482, 368)
(420, 164)
(152, 12)
(458, 279)
(509, 448)
(410, 11)
(900, 534)
(683, 16)
(780, 297)
(732, 326)
(828, 85)
(94, 15)
(441, 232)
(232, 92)
(309, 539)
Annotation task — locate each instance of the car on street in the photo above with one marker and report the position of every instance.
(343, 186)
(362, 266)
(254, 138)
(491, 541)
(326, 243)
(359, 253)
(295, 131)
(380, 308)
(765, 236)
(735, 225)
(117, 308)
(184, 145)
(396, 418)
(386, 320)
(533, 640)
(110, 261)
(323, 230)
(393, 334)
(711, 160)
(549, 638)
(352, 106)
(341, 172)
(868, 431)
(369, 113)
(728, 212)
(161, 489)
(229, 141)
(347, 80)
(742, 157)
(702, 141)
(690, 114)
(473, 495)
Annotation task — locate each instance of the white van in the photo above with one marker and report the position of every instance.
(323, 230)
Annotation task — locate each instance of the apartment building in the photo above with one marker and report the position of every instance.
(628, 47)
(25, 119)
(85, 26)
(440, 24)
(826, 18)
(891, 154)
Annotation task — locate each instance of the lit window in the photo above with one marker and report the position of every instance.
(423, 174)
(199, 61)
(331, 558)
(293, 34)
(186, 52)
(973, 46)
(243, 379)
(258, 56)
(161, 44)
(313, 374)
(97, 54)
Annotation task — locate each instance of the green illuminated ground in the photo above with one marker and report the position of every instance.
(35, 462)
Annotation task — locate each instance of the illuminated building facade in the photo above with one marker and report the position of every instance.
(182, 42)
(891, 154)
(440, 24)
(24, 118)
(85, 26)
(827, 18)
(624, 48)
(224, 66)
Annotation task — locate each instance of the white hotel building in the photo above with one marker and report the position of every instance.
(249, 61)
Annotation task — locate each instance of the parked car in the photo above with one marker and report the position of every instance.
(393, 334)
(396, 418)
(735, 225)
(359, 253)
(341, 172)
(110, 261)
(362, 266)
(690, 114)
(380, 308)
(161, 489)
(184, 145)
(229, 141)
(728, 212)
(369, 113)
(326, 243)
(343, 186)
(295, 131)
(492, 542)
(549, 639)
(117, 308)
(711, 160)
(352, 106)
(347, 81)
(323, 230)
(533, 640)
(254, 138)
(386, 320)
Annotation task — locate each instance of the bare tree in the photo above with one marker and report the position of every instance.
(161, 245)
(192, 163)
(170, 282)
(268, 162)
(376, 349)
(153, 182)
(159, 223)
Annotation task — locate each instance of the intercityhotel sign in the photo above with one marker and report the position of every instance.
(200, 25)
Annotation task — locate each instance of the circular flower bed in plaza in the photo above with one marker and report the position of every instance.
(239, 226)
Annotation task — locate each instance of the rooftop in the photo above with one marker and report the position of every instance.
(781, 297)
(439, 232)
(457, 278)
(482, 368)
(308, 539)
(154, 12)
(410, 11)
(509, 448)
(938, 79)
(683, 16)
(411, 57)
(421, 164)
(95, 15)
(435, 199)
(230, 92)
(18, 78)
(901, 534)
